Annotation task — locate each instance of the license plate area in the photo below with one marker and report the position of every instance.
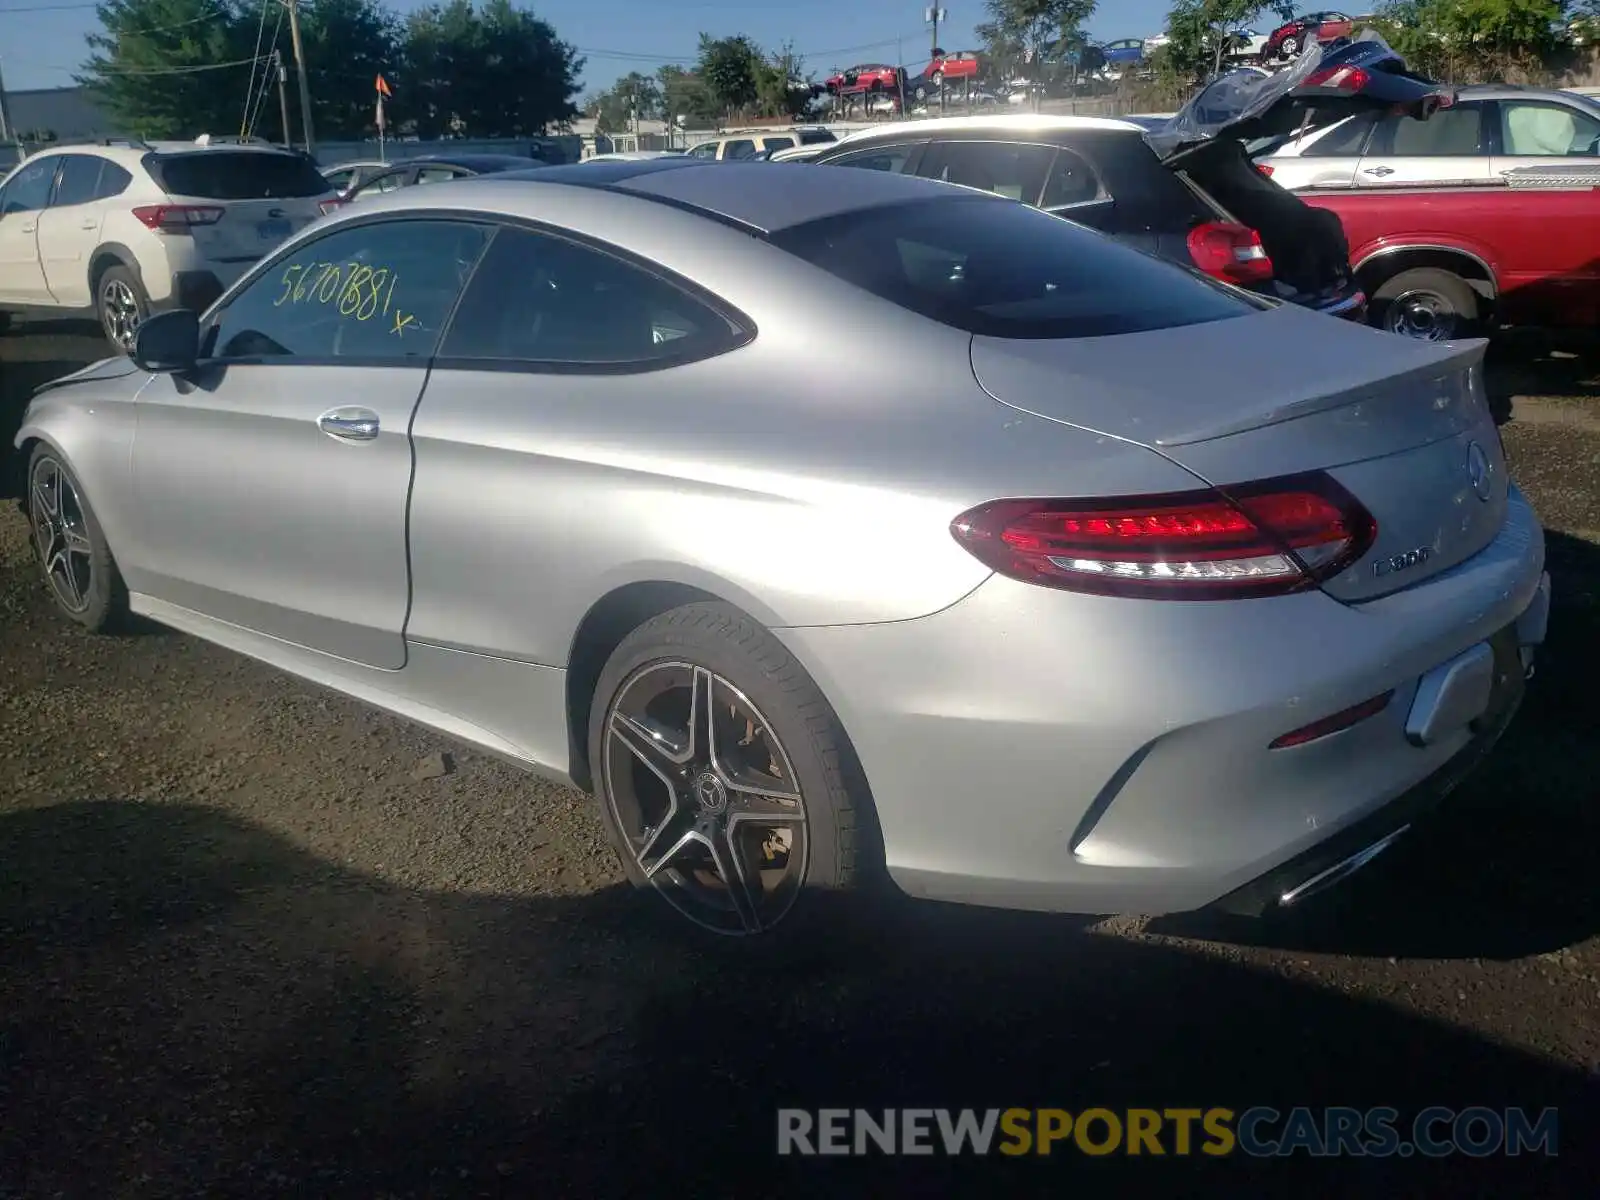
(274, 231)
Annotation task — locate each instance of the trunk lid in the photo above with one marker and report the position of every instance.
(1402, 425)
(1245, 105)
(265, 197)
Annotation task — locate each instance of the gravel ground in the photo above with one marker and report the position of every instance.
(256, 940)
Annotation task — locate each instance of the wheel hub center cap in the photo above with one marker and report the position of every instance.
(710, 794)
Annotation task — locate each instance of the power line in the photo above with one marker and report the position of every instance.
(192, 70)
(46, 8)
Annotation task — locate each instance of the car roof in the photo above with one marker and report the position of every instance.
(1000, 124)
(473, 162)
(752, 195)
(1509, 91)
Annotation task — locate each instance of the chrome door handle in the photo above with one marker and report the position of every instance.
(1380, 172)
(29, 228)
(349, 424)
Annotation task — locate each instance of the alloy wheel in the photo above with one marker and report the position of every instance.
(705, 798)
(1426, 316)
(119, 309)
(61, 534)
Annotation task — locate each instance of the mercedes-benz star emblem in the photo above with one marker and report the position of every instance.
(1481, 472)
(710, 794)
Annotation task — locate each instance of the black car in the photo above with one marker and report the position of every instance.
(1184, 190)
(439, 168)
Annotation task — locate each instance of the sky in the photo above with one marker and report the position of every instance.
(41, 41)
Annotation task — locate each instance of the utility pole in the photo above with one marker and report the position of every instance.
(283, 97)
(5, 119)
(933, 15)
(300, 70)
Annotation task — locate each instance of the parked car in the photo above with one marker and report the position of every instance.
(1290, 39)
(956, 71)
(736, 146)
(537, 461)
(867, 77)
(1451, 261)
(632, 155)
(1489, 130)
(346, 177)
(1204, 206)
(114, 231)
(437, 168)
(1125, 53)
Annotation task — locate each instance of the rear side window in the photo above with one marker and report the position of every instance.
(742, 148)
(1007, 270)
(879, 158)
(238, 175)
(777, 143)
(1072, 181)
(1345, 140)
(79, 182)
(113, 181)
(1450, 133)
(1007, 169)
(546, 301)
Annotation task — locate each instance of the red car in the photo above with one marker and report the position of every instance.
(1291, 39)
(868, 77)
(963, 64)
(1453, 261)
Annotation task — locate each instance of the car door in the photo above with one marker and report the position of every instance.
(26, 195)
(271, 484)
(1334, 25)
(555, 342)
(1328, 158)
(1535, 133)
(1451, 146)
(69, 230)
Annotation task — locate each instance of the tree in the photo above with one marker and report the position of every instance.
(632, 95)
(494, 71)
(1034, 35)
(170, 68)
(1476, 39)
(348, 44)
(686, 97)
(1202, 31)
(731, 68)
(781, 86)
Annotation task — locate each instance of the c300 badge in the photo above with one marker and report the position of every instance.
(1402, 562)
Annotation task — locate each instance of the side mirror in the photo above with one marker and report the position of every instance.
(168, 343)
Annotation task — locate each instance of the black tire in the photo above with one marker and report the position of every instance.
(102, 604)
(116, 288)
(1290, 48)
(1427, 303)
(722, 640)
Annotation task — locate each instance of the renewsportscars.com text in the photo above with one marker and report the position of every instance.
(1151, 1132)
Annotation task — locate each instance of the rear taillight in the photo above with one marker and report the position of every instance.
(1264, 169)
(176, 218)
(1258, 539)
(1232, 253)
(1346, 79)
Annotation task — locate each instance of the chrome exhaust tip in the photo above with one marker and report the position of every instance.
(1340, 871)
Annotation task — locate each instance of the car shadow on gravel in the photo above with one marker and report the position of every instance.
(1506, 868)
(1551, 364)
(190, 1005)
(17, 383)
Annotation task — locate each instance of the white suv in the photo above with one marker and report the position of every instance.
(118, 231)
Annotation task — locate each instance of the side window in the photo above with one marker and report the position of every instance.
(1072, 181)
(1005, 168)
(879, 158)
(386, 182)
(340, 179)
(28, 188)
(1345, 140)
(542, 299)
(374, 292)
(79, 182)
(113, 181)
(1450, 133)
(704, 150)
(438, 174)
(1530, 130)
(741, 148)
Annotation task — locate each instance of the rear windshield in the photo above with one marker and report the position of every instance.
(1006, 270)
(238, 175)
(816, 137)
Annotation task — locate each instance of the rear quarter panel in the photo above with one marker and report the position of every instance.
(1541, 246)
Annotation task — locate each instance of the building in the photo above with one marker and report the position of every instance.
(54, 114)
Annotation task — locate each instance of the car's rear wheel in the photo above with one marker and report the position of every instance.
(1291, 47)
(123, 305)
(1428, 304)
(71, 546)
(720, 771)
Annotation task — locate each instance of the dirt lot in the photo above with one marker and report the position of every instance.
(246, 950)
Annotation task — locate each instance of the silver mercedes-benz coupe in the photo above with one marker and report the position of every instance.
(825, 528)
